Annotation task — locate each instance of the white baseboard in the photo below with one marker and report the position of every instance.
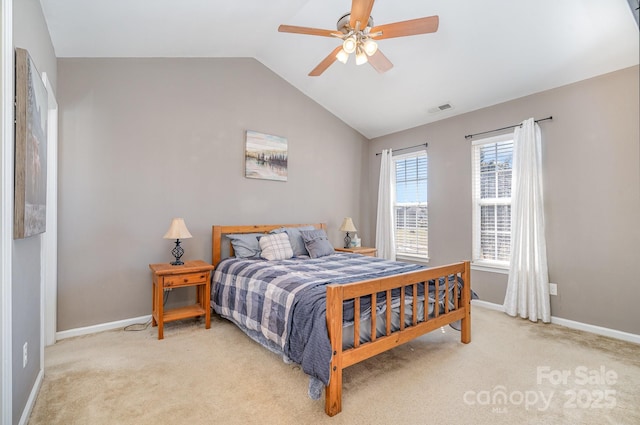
(101, 327)
(31, 401)
(598, 330)
(488, 305)
(612, 333)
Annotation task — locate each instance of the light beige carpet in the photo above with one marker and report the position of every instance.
(513, 372)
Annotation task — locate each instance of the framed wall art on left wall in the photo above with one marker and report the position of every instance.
(30, 149)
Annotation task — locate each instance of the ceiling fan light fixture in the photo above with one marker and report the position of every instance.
(361, 57)
(349, 45)
(370, 47)
(342, 56)
(359, 35)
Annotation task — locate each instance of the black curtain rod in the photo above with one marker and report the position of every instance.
(469, 136)
(409, 147)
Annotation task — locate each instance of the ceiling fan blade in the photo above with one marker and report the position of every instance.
(308, 31)
(404, 28)
(326, 63)
(380, 62)
(360, 12)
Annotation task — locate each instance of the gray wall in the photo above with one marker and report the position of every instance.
(29, 32)
(145, 140)
(591, 171)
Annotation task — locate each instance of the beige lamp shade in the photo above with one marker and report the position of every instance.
(177, 230)
(347, 225)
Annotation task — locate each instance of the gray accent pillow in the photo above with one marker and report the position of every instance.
(295, 238)
(246, 245)
(317, 243)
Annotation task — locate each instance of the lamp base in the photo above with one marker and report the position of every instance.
(347, 241)
(177, 253)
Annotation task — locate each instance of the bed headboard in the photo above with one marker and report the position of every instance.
(218, 232)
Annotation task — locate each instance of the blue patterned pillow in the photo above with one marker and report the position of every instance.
(317, 243)
(276, 247)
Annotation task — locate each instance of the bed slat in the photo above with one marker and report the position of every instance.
(436, 304)
(456, 298)
(388, 312)
(446, 294)
(426, 301)
(402, 300)
(356, 322)
(414, 304)
(374, 303)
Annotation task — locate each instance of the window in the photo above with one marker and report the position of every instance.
(492, 167)
(410, 206)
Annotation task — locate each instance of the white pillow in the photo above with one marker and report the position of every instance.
(276, 247)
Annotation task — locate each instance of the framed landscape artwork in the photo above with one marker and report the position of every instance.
(30, 149)
(265, 156)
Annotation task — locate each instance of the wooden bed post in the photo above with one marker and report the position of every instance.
(216, 245)
(333, 391)
(465, 333)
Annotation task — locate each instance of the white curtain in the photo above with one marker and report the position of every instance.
(385, 224)
(528, 288)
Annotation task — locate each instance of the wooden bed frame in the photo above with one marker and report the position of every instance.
(337, 294)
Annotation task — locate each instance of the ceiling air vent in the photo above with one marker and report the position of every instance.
(441, 108)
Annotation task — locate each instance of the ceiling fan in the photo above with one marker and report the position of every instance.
(359, 35)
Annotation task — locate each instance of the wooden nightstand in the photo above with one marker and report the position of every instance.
(191, 273)
(371, 252)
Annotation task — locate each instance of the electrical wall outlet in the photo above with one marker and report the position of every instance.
(25, 355)
(553, 289)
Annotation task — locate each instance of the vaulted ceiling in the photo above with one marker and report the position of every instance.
(484, 52)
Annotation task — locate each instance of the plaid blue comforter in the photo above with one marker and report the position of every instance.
(267, 299)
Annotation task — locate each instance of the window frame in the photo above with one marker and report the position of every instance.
(400, 157)
(477, 263)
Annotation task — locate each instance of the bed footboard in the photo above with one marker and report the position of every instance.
(459, 308)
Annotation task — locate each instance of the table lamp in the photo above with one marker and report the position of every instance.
(177, 230)
(347, 226)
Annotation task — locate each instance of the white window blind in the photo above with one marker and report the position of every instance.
(492, 168)
(411, 218)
